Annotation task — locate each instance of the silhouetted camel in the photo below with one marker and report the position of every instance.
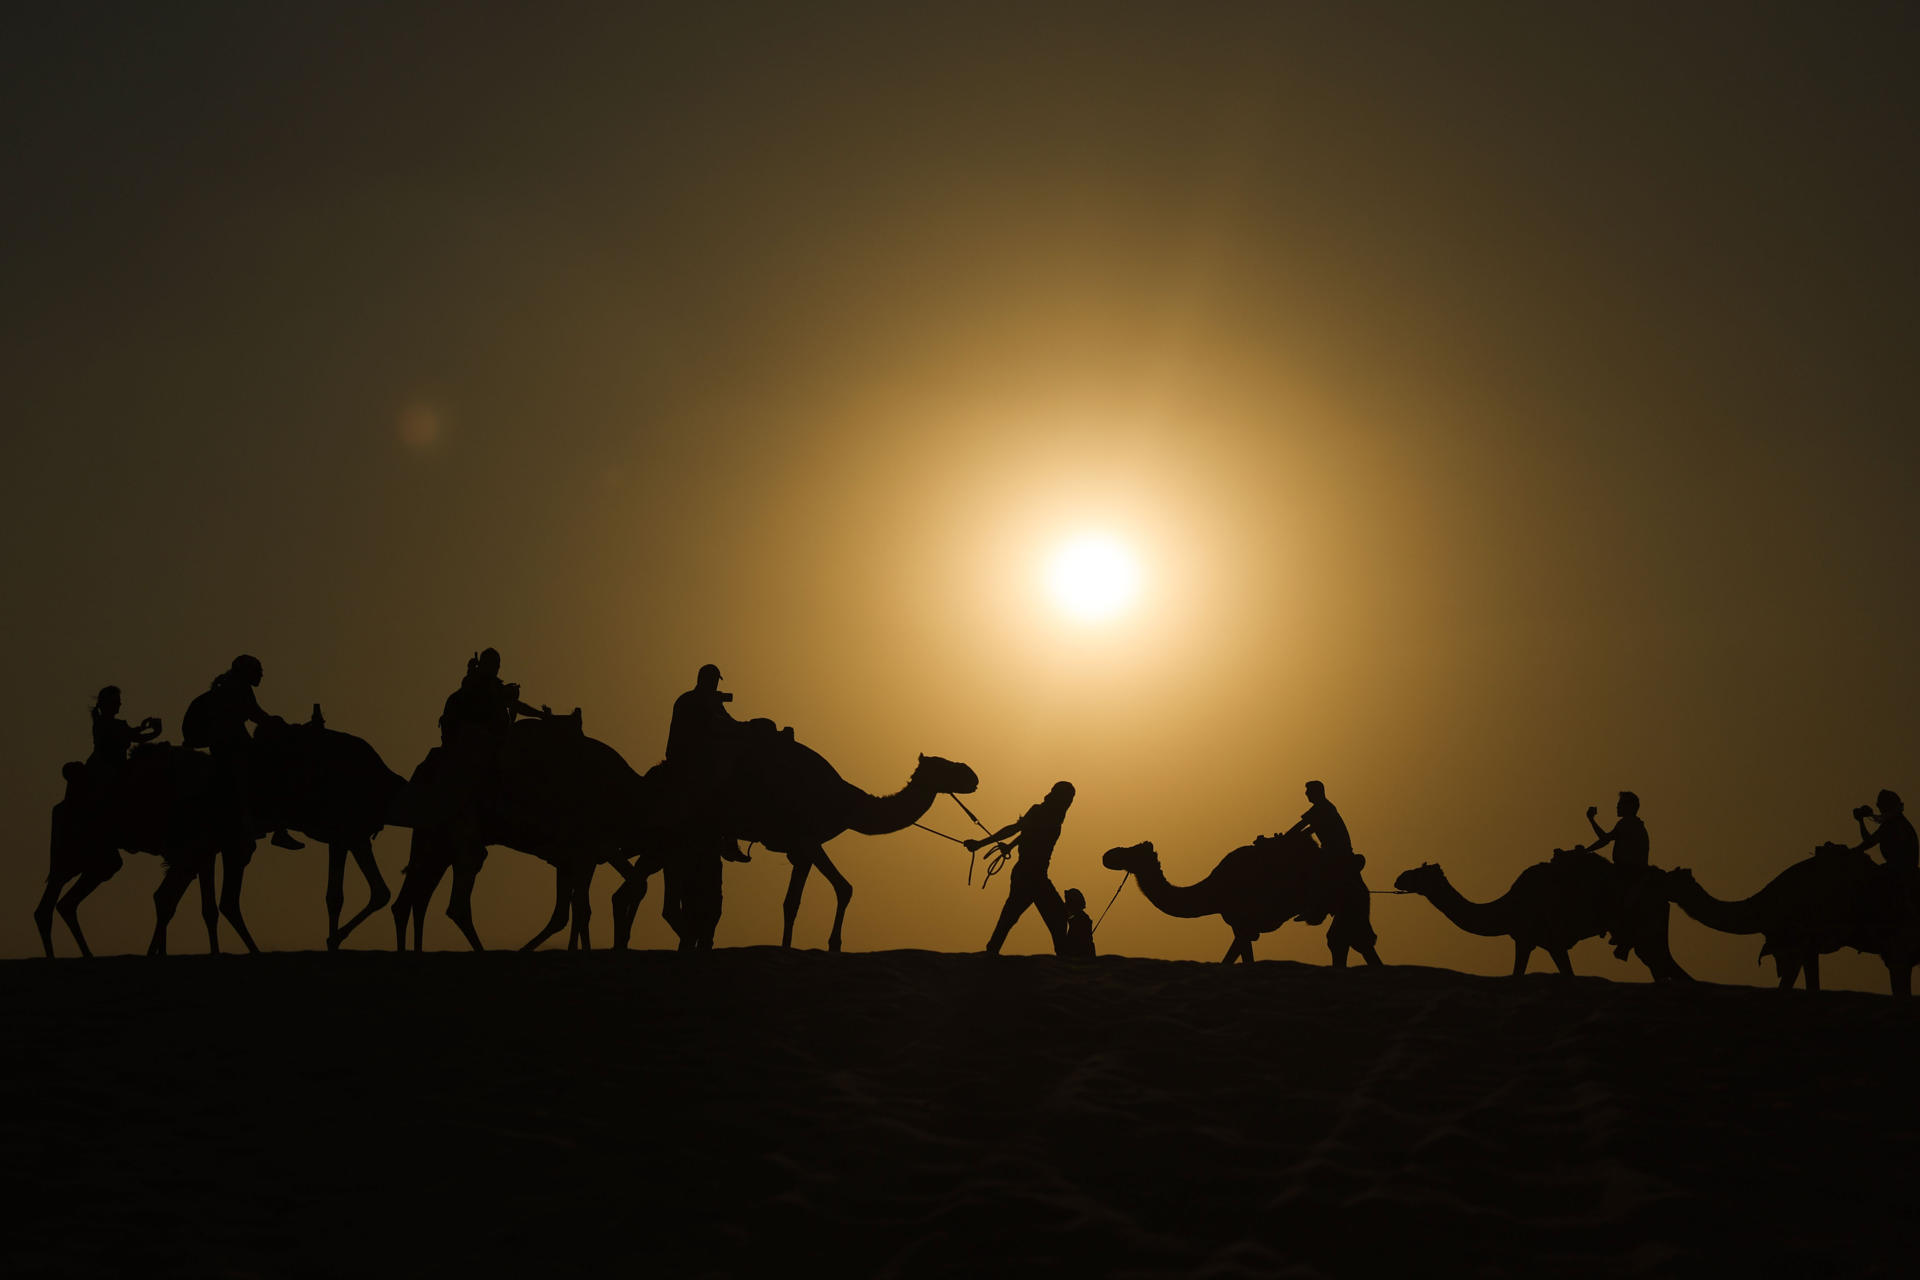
(164, 802)
(1259, 887)
(73, 856)
(554, 793)
(1553, 905)
(1836, 898)
(785, 796)
(333, 787)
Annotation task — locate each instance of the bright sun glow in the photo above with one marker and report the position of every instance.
(1093, 577)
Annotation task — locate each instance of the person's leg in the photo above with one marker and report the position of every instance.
(1018, 899)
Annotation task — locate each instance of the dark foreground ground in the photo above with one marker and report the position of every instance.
(755, 1112)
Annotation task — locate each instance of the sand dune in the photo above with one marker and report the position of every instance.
(909, 1113)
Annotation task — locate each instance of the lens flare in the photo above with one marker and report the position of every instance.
(1093, 578)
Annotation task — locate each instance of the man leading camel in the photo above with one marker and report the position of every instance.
(1038, 830)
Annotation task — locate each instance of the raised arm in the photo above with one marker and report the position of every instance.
(1601, 836)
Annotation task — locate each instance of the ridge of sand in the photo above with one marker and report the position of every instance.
(912, 1113)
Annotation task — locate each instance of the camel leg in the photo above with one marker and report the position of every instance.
(582, 910)
(336, 891)
(43, 916)
(377, 892)
(797, 885)
(1899, 976)
(1787, 965)
(1813, 970)
(842, 892)
(460, 902)
(626, 903)
(230, 886)
(70, 908)
(562, 902)
(209, 906)
(1561, 961)
(1522, 951)
(1367, 953)
(1240, 949)
(167, 897)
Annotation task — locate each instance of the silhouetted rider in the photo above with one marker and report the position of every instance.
(114, 737)
(1631, 846)
(1038, 830)
(218, 720)
(700, 727)
(1324, 821)
(1898, 844)
(484, 705)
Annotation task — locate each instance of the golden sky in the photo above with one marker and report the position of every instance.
(1509, 405)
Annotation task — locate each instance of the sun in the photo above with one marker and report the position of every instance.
(1093, 577)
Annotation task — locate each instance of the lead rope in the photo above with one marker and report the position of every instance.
(1110, 901)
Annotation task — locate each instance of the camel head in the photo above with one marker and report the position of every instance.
(1423, 879)
(946, 775)
(1132, 857)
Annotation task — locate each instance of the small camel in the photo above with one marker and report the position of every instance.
(1836, 898)
(1551, 906)
(1259, 887)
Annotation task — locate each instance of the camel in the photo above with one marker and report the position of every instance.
(1833, 899)
(329, 785)
(553, 793)
(786, 796)
(73, 856)
(163, 803)
(1551, 906)
(332, 787)
(1259, 887)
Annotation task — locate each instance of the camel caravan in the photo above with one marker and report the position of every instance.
(523, 777)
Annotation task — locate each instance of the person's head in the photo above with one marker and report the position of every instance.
(488, 663)
(1075, 900)
(1628, 805)
(708, 679)
(1316, 792)
(1889, 802)
(1061, 796)
(107, 701)
(248, 668)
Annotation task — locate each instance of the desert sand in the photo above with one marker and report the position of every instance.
(754, 1112)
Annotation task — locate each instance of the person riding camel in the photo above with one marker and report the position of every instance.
(1323, 822)
(218, 720)
(114, 737)
(1899, 845)
(484, 706)
(1631, 846)
(703, 739)
(1038, 830)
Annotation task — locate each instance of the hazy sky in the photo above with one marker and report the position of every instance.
(1508, 404)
